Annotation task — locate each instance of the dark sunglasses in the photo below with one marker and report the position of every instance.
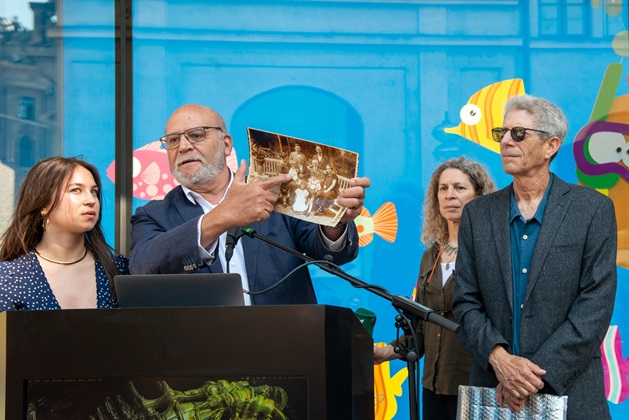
(517, 133)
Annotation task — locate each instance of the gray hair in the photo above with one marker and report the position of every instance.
(548, 116)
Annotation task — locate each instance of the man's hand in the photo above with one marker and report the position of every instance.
(519, 377)
(253, 202)
(353, 198)
(244, 204)
(505, 398)
(383, 354)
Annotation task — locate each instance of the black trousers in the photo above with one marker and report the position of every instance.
(438, 407)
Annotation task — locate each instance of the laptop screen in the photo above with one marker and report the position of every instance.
(174, 290)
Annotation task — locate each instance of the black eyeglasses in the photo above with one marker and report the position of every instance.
(517, 133)
(193, 135)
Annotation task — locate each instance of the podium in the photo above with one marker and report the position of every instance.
(305, 361)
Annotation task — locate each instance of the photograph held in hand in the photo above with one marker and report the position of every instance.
(319, 173)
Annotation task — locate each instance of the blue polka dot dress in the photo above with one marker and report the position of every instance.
(23, 284)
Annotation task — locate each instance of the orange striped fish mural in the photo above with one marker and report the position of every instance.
(386, 388)
(484, 111)
(384, 223)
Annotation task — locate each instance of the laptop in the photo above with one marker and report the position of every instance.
(175, 290)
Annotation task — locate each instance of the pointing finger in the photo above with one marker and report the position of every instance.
(271, 182)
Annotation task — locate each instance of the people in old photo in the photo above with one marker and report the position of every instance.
(318, 174)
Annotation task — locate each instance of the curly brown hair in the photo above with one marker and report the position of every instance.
(435, 226)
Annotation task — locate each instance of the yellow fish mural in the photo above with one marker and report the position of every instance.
(484, 111)
(386, 388)
(383, 223)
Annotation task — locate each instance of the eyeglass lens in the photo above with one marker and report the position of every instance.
(517, 133)
(194, 135)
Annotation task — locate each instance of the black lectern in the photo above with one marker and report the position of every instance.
(310, 362)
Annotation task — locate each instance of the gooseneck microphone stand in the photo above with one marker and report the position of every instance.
(410, 311)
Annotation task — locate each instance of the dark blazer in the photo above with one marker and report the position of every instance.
(569, 297)
(164, 240)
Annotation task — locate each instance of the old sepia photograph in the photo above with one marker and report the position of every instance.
(319, 173)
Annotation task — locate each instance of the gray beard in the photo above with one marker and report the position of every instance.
(206, 174)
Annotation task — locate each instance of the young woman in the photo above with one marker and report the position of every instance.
(53, 254)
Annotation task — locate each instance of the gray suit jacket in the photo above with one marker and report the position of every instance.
(569, 297)
(164, 240)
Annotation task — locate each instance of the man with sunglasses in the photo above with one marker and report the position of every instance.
(187, 230)
(536, 272)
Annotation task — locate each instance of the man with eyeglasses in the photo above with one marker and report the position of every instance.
(535, 275)
(186, 231)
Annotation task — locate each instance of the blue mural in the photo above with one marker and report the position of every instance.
(393, 81)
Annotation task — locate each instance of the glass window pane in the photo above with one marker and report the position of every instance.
(615, 24)
(30, 126)
(549, 20)
(27, 108)
(57, 93)
(575, 24)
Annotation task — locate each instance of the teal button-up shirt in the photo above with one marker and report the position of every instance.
(524, 235)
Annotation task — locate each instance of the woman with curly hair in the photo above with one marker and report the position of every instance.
(446, 362)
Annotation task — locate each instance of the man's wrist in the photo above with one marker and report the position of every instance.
(496, 354)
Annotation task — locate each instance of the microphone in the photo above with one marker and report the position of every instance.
(233, 235)
(399, 302)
